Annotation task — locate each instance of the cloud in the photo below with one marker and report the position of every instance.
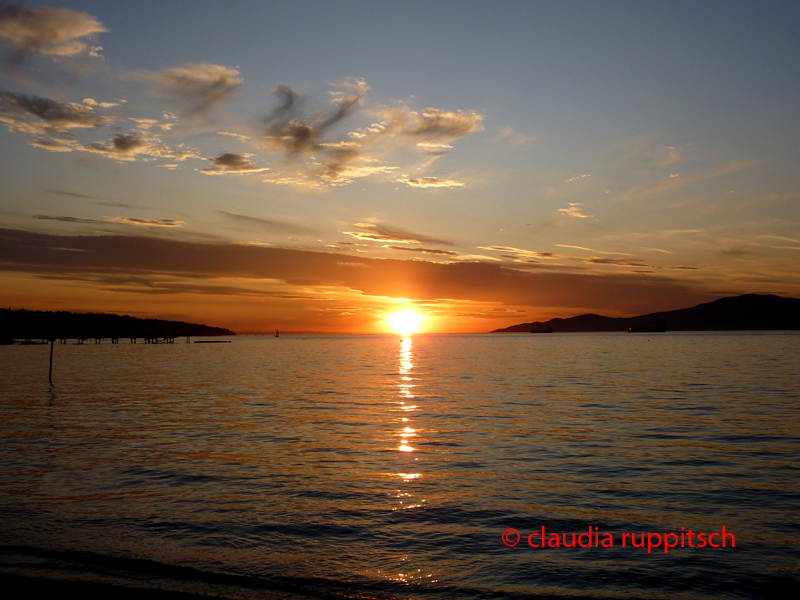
(127, 147)
(577, 178)
(92, 102)
(68, 220)
(424, 250)
(382, 233)
(301, 133)
(268, 223)
(443, 124)
(298, 132)
(73, 194)
(430, 182)
(434, 148)
(618, 262)
(51, 32)
(239, 136)
(201, 86)
(520, 252)
(51, 145)
(47, 118)
(591, 250)
(145, 222)
(44, 255)
(514, 137)
(672, 156)
(232, 164)
(120, 146)
(574, 210)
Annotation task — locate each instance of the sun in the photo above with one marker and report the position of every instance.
(405, 322)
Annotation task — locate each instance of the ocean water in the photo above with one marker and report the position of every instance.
(381, 467)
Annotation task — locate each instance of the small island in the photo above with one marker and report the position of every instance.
(46, 325)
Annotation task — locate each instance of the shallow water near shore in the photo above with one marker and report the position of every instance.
(382, 467)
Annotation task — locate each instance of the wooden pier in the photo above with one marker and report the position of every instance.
(149, 339)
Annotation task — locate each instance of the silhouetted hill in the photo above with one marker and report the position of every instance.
(736, 313)
(21, 324)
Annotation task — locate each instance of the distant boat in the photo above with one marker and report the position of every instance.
(548, 330)
(276, 333)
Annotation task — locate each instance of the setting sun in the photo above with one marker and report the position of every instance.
(405, 322)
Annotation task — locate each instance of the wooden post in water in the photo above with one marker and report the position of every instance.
(50, 374)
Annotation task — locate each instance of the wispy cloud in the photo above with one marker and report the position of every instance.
(66, 219)
(424, 250)
(574, 210)
(434, 148)
(297, 132)
(239, 136)
(232, 164)
(672, 156)
(309, 141)
(129, 147)
(48, 120)
(591, 250)
(51, 32)
(199, 86)
(521, 252)
(577, 178)
(618, 262)
(430, 182)
(144, 222)
(513, 137)
(260, 223)
(73, 194)
(383, 233)
(435, 123)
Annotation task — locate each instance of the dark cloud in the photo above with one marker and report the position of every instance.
(232, 164)
(144, 222)
(297, 131)
(424, 250)
(53, 32)
(268, 223)
(200, 86)
(619, 262)
(629, 293)
(73, 194)
(521, 252)
(17, 110)
(69, 220)
(127, 147)
(383, 233)
(121, 145)
(738, 252)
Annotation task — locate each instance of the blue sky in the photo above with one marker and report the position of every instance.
(572, 157)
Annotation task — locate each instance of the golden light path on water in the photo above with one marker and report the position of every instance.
(406, 387)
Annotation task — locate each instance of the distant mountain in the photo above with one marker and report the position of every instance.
(35, 324)
(736, 313)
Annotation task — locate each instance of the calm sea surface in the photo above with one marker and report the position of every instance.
(371, 466)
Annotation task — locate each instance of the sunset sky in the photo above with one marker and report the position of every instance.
(317, 165)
